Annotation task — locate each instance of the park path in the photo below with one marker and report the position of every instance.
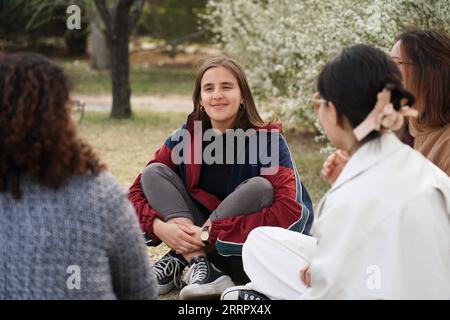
(171, 103)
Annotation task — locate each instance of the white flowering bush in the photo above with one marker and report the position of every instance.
(284, 43)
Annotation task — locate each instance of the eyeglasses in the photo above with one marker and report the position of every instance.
(399, 61)
(318, 101)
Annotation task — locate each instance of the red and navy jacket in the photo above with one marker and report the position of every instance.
(291, 207)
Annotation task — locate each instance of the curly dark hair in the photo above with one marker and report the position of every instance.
(37, 135)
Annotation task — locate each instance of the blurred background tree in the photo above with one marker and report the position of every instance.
(30, 23)
(40, 25)
(119, 21)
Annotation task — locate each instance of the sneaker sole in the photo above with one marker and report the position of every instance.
(165, 288)
(232, 293)
(212, 290)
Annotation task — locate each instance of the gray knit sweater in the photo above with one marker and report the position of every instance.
(81, 241)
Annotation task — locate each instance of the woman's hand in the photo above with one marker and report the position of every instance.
(189, 227)
(179, 237)
(305, 276)
(332, 167)
(193, 230)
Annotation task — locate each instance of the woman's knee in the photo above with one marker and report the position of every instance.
(262, 188)
(259, 233)
(255, 246)
(255, 238)
(153, 173)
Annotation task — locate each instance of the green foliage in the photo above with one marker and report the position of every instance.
(33, 18)
(25, 22)
(170, 19)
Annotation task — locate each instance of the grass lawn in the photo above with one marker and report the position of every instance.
(127, 145)
(150, 81)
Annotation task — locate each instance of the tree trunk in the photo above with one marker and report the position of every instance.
(119, 24)
(121, 107)
(100, 51)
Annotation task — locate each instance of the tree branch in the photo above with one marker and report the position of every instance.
(136, 13)
(105, 14)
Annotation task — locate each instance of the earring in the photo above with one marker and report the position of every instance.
(202, 108)
(242, 106)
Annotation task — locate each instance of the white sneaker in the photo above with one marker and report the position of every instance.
(242, 293)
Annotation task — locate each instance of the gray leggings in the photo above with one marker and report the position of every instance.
(167, 194)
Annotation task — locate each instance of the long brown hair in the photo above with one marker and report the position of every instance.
(37, 135)
(248, 116)
(428, 75)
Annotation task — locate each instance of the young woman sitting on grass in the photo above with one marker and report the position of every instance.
(206, 189)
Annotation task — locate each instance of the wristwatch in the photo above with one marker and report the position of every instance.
(204, 235)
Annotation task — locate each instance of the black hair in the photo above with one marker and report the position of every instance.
(353, 79)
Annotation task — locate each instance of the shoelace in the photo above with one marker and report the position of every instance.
(164, 268)
(197, 272)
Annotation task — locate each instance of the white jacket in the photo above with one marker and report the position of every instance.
(383, 229)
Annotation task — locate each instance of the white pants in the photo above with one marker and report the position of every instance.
(273, 258)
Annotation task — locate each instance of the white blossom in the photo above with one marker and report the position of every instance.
(283, 44)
